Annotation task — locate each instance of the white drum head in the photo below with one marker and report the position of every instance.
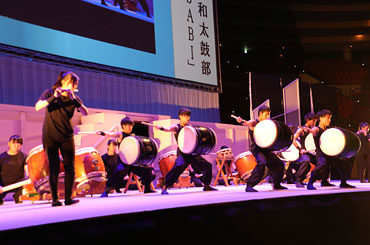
(187, 140)
(292, 153)
(309, 143)
(332, 141)
(265, 133)
(167, 154)
(129, 150)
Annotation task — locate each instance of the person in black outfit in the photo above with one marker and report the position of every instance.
(13, 167)
(198, 163)
(307, 157)
(144, 172)
(363, 156)
(323, 161)
(57, 133)
(264, 157)
(111, 158)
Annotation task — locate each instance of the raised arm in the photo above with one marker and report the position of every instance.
(172, 129)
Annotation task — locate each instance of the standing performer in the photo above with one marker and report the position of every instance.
(323, 161)
(13, 167)
(198, 163)
(264, 157)
(57, 131)
(363, 156)
(144, 172)
(307, 157)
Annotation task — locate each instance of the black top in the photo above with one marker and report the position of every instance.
(124, 135)
(179, 127)
(317, 142)
(12, 168)
(253, 145)
(302, 139)
(364, 143)
(110, 163)
(57, 125)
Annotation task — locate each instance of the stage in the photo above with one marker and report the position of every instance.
(189, 213)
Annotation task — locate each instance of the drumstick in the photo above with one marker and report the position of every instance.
(149, 124)
(81, 132)
(16, 185)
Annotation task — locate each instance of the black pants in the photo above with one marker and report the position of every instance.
(17, 194)
(198, 163)
(305, 160)
(324, 163)
(363, 163)
(144, 172)
(67, 149)
(266, 158)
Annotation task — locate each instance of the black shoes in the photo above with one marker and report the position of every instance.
(346, 185)
(208, 188)
(299, 184)
(56, 203)
(250, 189)
(326, 184)
(310, 186)
(71, 202)
(279, 187)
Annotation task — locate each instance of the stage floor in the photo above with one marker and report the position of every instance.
(15, 216)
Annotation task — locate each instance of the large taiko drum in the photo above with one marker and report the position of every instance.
(138, 150)
(245, 163)
(291, 154)
(339, 142)
(309, 144)
(167, 161)
(89, 166)
(38, 169)
(273, 135)
(196, 140)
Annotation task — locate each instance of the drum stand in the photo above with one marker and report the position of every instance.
(226, 177)
(134, 179)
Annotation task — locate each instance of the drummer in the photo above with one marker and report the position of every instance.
(264, 157)
(13, 167)
(111, 160)
(198, 163)
(115, 179)
(307, 157)
(323, 161)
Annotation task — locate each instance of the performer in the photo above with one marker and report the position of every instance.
(198, 163)
(111, 160)
(13, 167)
(363, 156)
(342, 164)
(57, 131)
(307, 157)
(144, 172)
(264, 157)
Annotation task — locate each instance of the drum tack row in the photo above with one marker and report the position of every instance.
(90, 175)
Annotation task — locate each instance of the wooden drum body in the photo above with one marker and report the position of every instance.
(89, 168)
(245, 163)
